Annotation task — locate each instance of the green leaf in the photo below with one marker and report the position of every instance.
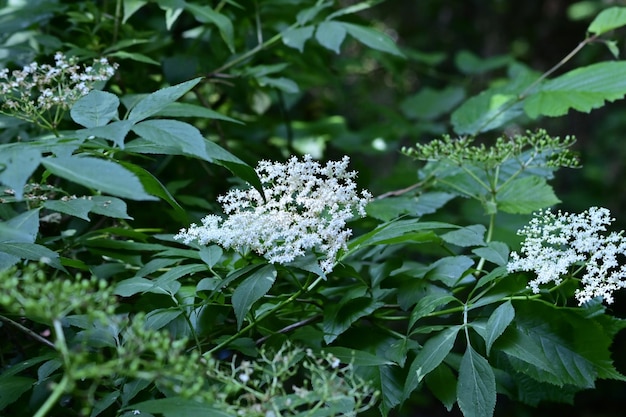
(339, 317)
(495, 252)
(429, 357)
(442, 383)
(17, 164)
(177, 407)
(211, 254)
(390, 208)
(357, 357)
(206, 14)
(355, 8)
(116, 132)
(392, 230)
(607, 20)
(31, 251)
(498, 322)
(252, 289)
(296, 38)
(97, 108)
(161, 317)
(111, 177)
(283, 84)
(103, 403)
(449, 270)
(81, 207)
(306, 15)
(192, 110)
(427, 305)
(429, 104)
(173, 133)
(131, 6)
(471, 64)
(582, 89)
(372, 38)
(134, 56)
(473, 235)
(330, 35)
(495, 106)
(12, 387)
(391, 379)
(22, 228)
(136, 285)
(160, 99)
(476, 389)
(526, 195)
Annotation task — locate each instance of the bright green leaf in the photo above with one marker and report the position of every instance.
(252, 289)
(498, 322)
(211, 254)
(111, 177)
(372, 38)
(476, 389)
(330, 35)
(582, 89)
(607, 20)
(526, 195)
(97, 108)
(160, 99)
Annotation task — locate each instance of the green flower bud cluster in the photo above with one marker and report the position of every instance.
(532, 146)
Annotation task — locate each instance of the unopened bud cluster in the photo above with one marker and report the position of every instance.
(305, 206)
(38, 90)
(556, 242)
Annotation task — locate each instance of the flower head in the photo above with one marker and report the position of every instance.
(305, 207)
(555, 242)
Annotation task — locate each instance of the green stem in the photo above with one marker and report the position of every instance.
(492, 224)
(59, 389)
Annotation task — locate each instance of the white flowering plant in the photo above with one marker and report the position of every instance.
(186, 227)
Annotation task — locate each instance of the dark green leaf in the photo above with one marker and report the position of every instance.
(192, 110)
(498, 322)
(281, 83)
(178, 407)
(476, 390)
(526, 195)
(442, 383)
(157, 101)
(173, 133)
(339, 317)
(251, 290)
(97, 108)
(469, 63)
(390, 208)
(429, 104)
(104, 403)
(449, 270)
(357, 357)
(112, 178)
(206, 14)
(17, 164)
(31, 251)
(429, 357)
(372, 38)
(391, 385)
(12, 387)
(296, 38)
(160, 317)
(116, 132)
(427, 305)
(330, 35)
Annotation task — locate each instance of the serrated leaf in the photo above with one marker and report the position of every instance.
(473, 235)
(449, 270)
(296, 38)
(582, 89)
(339, 317)
(476, 389)
(112, 178)
(160, 99)
(177, 407)
(372, 38)
(498, 322)
(206, 14)
(495, 252)
(17, 164)
(607, 20)
(429, 357)
(330, 35)
(526, 195)
(252, 289)
(96, 108)
(174, 133)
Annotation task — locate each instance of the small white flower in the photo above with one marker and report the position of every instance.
(306, 207)
(555, 242)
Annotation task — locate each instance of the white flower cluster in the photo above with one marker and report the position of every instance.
(34, 89)
(306, 206)
(555, 242)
